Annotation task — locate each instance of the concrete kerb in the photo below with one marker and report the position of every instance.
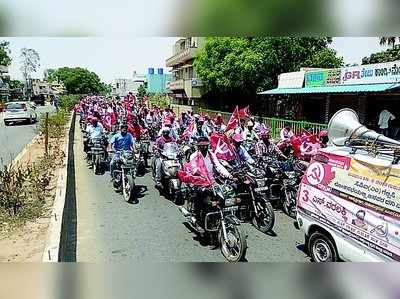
(53, 248)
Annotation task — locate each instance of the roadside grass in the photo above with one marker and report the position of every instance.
(24, 188)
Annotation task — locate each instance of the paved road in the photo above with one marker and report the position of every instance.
(14, 138)
(112, 230)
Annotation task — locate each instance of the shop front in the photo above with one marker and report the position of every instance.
(367, 89)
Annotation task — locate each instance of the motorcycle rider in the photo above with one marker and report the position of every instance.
(213, 166)
(122, 141)
(158, 148)
(94, 130)
(264, 147)
(198, 130)
(249, 134)
(286, 133)
(242, 155)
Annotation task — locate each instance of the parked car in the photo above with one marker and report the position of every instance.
(20, 112)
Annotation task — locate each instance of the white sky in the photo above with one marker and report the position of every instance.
(113, 58)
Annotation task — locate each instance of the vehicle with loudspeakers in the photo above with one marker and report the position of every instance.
(348, 203)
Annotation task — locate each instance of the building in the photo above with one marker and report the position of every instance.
(316, 94)
(122, 87)
(47, 89)
(158, 82)
(185, 86)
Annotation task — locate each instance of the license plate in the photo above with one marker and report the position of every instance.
(261, 189)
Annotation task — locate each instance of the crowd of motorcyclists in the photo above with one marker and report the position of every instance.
(220, 172)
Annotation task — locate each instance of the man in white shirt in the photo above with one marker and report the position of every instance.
(384, 117)
(95, 130)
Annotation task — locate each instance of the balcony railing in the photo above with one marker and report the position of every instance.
(181, 57)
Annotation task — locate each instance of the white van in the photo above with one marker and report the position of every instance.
(348, 206)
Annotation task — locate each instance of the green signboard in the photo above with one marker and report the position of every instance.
(316, 78)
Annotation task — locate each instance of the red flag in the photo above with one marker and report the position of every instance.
(195, 172)
(233, 121)
(221, 146)
(244, 113)
(188, 131)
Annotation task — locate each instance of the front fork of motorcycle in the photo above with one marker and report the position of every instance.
(223, 225)
(253, 200)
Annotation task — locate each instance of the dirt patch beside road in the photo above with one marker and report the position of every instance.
(24, 240)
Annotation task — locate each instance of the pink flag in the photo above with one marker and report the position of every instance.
(188, 131)
(233, 121)
(195, 172)
(244, 113)
(221, 146)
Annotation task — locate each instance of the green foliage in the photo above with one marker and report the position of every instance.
(5, 58)
(158, 99)
(56, 123)
(67, 102)
(388, 40)
(78, 80)
(388, 55)
(246, 65)
(142, 91)
(16, 84)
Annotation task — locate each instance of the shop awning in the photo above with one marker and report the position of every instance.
(334, 89)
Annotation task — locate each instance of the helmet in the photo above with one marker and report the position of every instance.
(202, 141)
(323, 133)
(238, 137)
(196, 116)
(250, 123)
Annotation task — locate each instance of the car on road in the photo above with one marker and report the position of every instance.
(15, 112)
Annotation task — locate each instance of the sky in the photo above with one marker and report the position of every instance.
(113, 58)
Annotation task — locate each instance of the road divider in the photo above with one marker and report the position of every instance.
(57, 240)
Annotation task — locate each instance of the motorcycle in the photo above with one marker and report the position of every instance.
(290, 183)
(170, 165)
(282, 179)
(143, 153)
(125, 174)
(254, 204)
(218, 221)
(96, 154)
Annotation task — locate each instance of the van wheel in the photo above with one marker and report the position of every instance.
(321, 248)
(6, 123)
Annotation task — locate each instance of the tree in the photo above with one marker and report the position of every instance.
(16, 84)
(242, 66)
(388, 40)
(142, 91)
(391, 54)
(5, 59)
(30, 63)
(78, 80)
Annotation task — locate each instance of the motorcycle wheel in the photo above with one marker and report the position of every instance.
(128, 186)
(235, 247)
(287, 204)
(266, 220)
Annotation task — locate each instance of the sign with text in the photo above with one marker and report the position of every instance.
(372, 73)
(358, 199)
(320, 78)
